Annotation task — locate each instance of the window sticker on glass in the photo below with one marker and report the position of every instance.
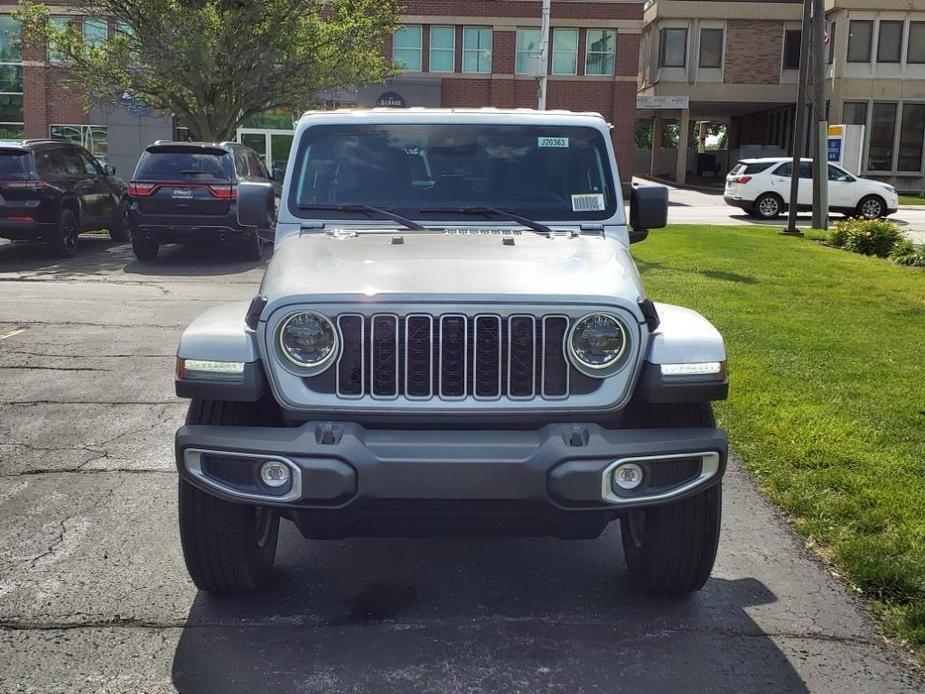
(588, 202)
(552, 142)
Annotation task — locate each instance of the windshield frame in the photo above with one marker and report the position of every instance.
(611, 214)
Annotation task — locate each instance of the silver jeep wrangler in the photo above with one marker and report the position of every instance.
(451, 338)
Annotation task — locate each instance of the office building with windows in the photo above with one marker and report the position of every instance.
(471, 54)
(486, 53)
(737, 63)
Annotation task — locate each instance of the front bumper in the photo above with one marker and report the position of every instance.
(561, 468)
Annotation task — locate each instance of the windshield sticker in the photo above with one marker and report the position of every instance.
(588, 202)
(553, 142)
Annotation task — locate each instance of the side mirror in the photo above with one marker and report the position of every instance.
(109, 170)
(256, 202)
(648, 210)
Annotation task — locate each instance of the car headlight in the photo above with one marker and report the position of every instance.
(308, 340)
(596, 343)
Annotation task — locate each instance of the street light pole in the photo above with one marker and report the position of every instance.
(799, 128)
(544, 54)
(820, 155)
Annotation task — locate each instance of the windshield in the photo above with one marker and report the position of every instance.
(12, 163)
(539, 172)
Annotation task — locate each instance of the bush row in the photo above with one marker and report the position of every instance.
(877, 237)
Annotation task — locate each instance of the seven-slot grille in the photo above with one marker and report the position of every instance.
(452, 356)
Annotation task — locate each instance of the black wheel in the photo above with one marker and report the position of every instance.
(120, 229)
(768, 206)
(251, 247)
(872, 207)
(670, 549)
(228, 548)
(63, 242)
(144, 248)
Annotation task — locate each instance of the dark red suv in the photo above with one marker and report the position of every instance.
(51, 191)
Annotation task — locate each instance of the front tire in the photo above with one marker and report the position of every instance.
(768, 206)
(63, 242)
(228, 547)
(671, 549)
(872, 207)
(144, 248)
(120, 229)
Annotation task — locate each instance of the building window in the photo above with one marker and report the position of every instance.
(860, 34)
(832, 28)
(882, 137)
(406, 47)
(793, 40)
(855, 113)
(527, 47)
(711, 48)
(915, 52)
(59, 24)
(673, 48)
(94, 138)
(95, 31)
(476, 50)
(911, 134)
(442, 49)
(11, 118)
(565, 52)
(600, 51)
(890, 44)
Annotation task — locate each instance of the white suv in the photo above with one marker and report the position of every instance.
(761, 187)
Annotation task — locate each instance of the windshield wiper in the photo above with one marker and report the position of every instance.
(484, 211)
(368, 210)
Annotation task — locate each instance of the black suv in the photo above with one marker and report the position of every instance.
(183, 192)
(51, 190)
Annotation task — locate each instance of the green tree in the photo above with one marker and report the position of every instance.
(216, 63)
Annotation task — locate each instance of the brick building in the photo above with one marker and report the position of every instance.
(736, 62)
(477, 53)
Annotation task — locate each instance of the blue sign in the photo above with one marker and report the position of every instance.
(835, 149)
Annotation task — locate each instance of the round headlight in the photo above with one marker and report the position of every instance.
(308, 340)
(597, 342)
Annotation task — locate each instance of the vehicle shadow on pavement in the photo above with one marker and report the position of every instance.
(96, 253)
(486, 615)
(196, 260)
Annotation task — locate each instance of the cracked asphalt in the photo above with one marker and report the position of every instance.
(94, 596)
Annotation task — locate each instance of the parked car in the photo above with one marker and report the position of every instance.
(186, 192)
(470, 354)
(761, 187)
(52, 190)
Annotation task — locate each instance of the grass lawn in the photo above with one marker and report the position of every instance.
(911, 200)
(827, 404)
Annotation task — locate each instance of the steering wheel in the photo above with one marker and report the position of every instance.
(539, 196)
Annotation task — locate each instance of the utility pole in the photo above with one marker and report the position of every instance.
(544, 54)
(820, 153)
(799, 128)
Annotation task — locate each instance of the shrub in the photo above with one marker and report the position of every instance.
(866, 236)
(905, 253)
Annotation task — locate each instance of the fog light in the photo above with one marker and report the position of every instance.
(628, 476)
(274, 473)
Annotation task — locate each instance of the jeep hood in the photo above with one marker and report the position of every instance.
(395, 266)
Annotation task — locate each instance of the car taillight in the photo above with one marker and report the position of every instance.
(141, 190)
(742, 179)
(224, 192)
(30, 184)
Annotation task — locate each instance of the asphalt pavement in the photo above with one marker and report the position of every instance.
(94, 596)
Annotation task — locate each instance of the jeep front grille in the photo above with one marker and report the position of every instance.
(453, 356)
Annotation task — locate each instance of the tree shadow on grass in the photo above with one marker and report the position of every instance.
(485, 615)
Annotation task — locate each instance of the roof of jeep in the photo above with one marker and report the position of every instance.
(486, 114)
